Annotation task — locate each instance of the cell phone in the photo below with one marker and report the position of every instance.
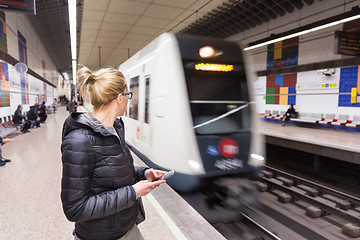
(167, 175)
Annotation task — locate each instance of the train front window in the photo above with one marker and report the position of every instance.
(218, 93)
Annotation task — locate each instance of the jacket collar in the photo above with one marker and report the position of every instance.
(79, 120)
(96, 125)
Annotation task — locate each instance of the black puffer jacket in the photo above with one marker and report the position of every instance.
(98, 172)
(33, 113)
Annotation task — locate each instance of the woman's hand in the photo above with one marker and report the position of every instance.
(142, 188)
(6, 140)
(153, 175)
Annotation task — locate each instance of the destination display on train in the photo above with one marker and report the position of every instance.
(214, 67)
(347, 43)
(198, 66)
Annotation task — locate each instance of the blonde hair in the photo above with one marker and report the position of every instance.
(102, 85)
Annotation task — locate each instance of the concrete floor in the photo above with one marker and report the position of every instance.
(30, 206)
(331, 138)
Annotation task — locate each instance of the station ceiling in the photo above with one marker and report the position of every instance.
(121, 28)
(109, 31)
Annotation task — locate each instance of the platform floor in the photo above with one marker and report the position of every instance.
(332, 138)
(30, 205)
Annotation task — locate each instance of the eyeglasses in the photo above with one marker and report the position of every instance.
(129, 94)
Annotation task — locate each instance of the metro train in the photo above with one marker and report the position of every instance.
(192, 110)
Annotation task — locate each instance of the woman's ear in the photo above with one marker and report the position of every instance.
(119, 99)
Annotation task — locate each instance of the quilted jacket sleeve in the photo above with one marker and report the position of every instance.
(78, 158)
(140, 173)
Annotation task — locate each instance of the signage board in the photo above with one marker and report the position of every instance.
(20, 6)
(21, 67)
(347, 43)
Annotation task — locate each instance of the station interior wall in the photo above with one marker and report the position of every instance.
(313, 91)
(38, 59)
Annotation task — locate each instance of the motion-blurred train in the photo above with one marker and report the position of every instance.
(192, 110)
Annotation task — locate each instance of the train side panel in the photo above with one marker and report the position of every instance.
(172, 124)
(167, 140)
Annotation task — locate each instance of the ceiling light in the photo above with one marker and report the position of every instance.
(72, 22)
(206, 52)
(303, 32)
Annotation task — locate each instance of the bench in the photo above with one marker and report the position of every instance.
(6, 127)
(274, 114)
(280, 116)
(355, 122)
(267, 114)
(308, 117)
(341, 121)
(328, 119)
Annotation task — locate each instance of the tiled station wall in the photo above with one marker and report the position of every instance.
(312, 92)
(24, 89)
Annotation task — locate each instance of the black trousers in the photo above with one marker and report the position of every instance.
(26, 126)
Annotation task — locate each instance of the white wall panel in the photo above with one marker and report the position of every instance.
(15, 99)
(14, 77)
(260, 104)
(318, 46)
(258, 61)
(349, 111)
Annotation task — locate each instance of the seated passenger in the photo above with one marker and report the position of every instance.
(33, 115)
(42, 113)
(290, 113)
(19, 119)
(3, 161)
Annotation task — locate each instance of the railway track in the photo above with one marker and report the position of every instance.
(264, 233)
(247, 228)
(289, 207)
(318, 201)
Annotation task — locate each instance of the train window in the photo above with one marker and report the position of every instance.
(215, 93)
(147, 93)
(133, 103)
(216, 85)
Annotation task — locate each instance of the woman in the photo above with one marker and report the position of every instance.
(290, 113)
(101, 188)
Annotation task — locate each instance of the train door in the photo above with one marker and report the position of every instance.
(138, 110)
(145, 127)
(134, 103)
(132, 120)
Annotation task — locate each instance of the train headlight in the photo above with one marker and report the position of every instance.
(206, 52)
(194, 164)
(257, 157)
